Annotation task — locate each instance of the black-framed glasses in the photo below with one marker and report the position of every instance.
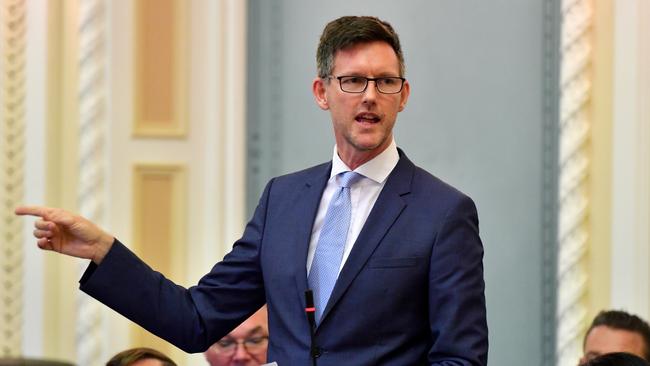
(252, 345)
(359, 84)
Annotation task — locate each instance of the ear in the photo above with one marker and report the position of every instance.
(404, 95)
(318, 88)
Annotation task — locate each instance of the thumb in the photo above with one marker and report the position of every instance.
(60, 217)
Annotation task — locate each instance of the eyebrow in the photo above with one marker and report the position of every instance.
(257, 329)
(251, 332)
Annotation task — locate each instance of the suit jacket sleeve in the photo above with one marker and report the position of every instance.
(456, 290)
(194, 318)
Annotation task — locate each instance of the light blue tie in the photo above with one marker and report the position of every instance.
(331, 242)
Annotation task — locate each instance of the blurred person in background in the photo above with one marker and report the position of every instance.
(618, 359)
(244, 346)
(140, 357)
(616, 331)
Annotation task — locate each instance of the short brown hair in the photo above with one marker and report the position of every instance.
(621, 320)
(351, 30)
(130, 356)
(618, 359)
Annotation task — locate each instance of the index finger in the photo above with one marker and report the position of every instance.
(41, 211)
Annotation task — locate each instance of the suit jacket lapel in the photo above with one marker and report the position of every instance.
(302, 218)
(387, 208)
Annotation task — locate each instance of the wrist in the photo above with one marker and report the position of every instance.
(104, 244)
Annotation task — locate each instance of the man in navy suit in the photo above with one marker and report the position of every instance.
(406, 286)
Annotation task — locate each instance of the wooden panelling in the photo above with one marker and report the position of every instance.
(159, 230)
(160, 73)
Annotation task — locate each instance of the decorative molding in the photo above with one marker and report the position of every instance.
(232, 118)
(643, 124)
(12, 127)
(160, 193)
(159, 230)
(160, 71)
(92, 180)
(218, 104)
(630, 240)
(573, 194)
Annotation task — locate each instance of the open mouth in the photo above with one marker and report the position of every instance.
(367, 118)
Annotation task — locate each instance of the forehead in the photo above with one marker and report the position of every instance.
(603, 339)
(256, 323)
(148, 362)
(376, 57)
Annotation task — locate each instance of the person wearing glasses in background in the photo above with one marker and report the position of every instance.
(244, 346)
(391, 253)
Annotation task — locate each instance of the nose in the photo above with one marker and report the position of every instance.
(370, 94)
(241, 354)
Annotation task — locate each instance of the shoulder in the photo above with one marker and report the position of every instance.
(307, 175)
(430, 189)
(315, 171)
(422, 180)
(427, 182)
(314, 175)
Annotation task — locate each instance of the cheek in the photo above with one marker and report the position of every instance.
(340, 115)
(219, 359)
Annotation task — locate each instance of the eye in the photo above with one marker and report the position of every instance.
(225, 343)
(256, 340)
(388, 81)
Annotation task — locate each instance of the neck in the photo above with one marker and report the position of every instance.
(354, 159)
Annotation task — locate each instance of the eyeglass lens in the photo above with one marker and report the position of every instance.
(358, 84)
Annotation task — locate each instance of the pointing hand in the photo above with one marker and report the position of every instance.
(61, 231)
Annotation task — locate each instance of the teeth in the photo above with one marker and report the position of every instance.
(364, 116)
(371, 120)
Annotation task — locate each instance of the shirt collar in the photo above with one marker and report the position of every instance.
(376, 169)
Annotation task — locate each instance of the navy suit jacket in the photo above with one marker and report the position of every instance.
(410, 293)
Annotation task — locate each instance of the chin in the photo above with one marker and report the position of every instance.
(370, 145)
(366, 147)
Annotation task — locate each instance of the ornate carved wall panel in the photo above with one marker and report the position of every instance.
(12, 141)
(574, 160)
(92, 157)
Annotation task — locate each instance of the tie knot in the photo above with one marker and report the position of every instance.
(346, 179)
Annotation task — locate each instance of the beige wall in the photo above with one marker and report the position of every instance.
(620, 168)
(620, 165)
(631, 158)
(184, 163)
(599, 265)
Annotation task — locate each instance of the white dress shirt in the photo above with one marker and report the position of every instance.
(363, 195)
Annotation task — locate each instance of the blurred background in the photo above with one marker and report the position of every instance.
(162, 120)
